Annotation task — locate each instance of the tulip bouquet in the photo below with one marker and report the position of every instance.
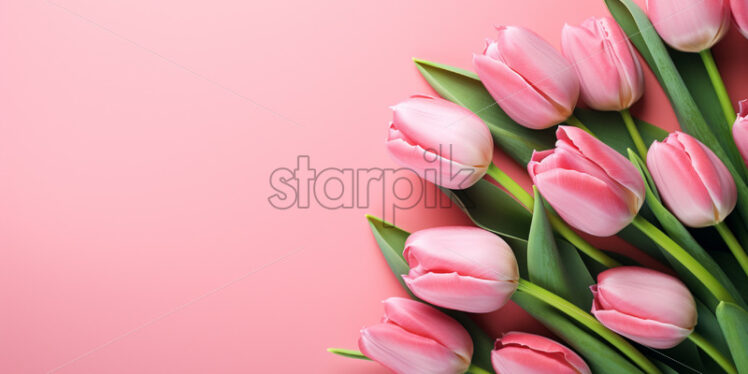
(594, 171)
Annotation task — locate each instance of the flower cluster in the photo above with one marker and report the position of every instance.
(684, 180)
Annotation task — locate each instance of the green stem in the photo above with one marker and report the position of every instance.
(634, 133)
(719, 85)
(558, 224)
(732, 243)
(475, 369)
(504, 180)
(588, 321)
(574, 121)
(713, 352)
(682, 256)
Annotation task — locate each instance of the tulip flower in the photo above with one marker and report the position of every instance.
(690, 26)
(695, 26)
(740, 130)
(740, 14)
(651, 308)
(528, 78)
(591, 186)
(441, 141)
(518, 352)
(609, 72)
(462, 268)
(416, 338)
(694, 184)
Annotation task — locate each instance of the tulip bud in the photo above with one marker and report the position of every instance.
(609, 72)
(442, 142)
(690, 26)
(462, 268)
(590, 185)
(518, 352)
(694, 184)
(416, 338)
(740, 130)
(740, 14)
(528, 78)
(644, 305)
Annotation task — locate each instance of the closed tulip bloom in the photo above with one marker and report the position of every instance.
(740, 13)
(528, 78)
(442, 142)
(609, 72)
(591, 186)
(690, 26)
(740, 130)
(416, 338)
(694, 184)
(460, 267)
(644, 305)
(522, 353)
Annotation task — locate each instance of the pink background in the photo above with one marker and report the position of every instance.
(136, 142)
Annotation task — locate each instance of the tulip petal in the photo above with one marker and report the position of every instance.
(610, 75)
(712, 173)
(540, 64)
(545, 345)
(740, 14)
(424, 320)
(512, 359)
(680, 186)
(690, 26)
(406, 353)
(584, 201)
(444, 128)
(516, 96)
(466, 250)
(432, 167)
(740, 128)
(644, 331)
(658, 296)
(465, 293)
(613, 163)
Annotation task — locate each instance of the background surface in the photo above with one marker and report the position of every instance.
(136, 143)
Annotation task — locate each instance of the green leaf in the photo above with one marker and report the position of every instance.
(733, 270)
(391, 242)
(348, 353)
(491, 208)
(464, 88)
(682, 236)
(547, 267)
(599, 355)
(643, 35)
(734, 323)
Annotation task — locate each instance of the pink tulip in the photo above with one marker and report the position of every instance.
(462, 268)
(644, 305)
(416, 338)
(442, 142)
(591, 186)
(528, 78)
(694, 184)
(688, 25)
(740, 14)
(518, 352)
(609, 72)
(740, 130)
